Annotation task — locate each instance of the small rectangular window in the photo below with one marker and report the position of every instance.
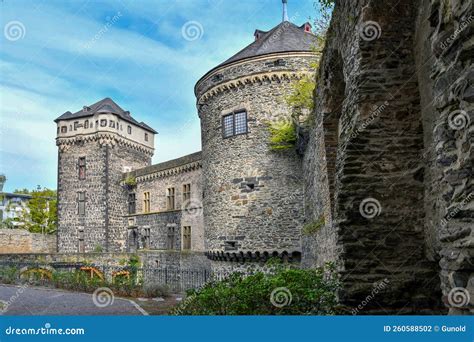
(186, 192)
(112, 124)
(81, 246)
(96, 123)
(64, 129)
(187, 237)
(129, 129)
(146, 202)
(146, 136)
(228, 125)
(171, 239)
(103, 123)
(240, 123)
(170, 205)
(76, 125)
(81, 203)
(82, 168)
(146, 238)
(234, 124)
(131, 203)
(86, 124)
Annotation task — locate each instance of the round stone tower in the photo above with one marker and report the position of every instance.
(253, 195)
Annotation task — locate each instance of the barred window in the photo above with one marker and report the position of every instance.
(228, 125)
(86, 124)
(82, 168)
(146, 202)
(187, 237)
(234, 124)
(186, 192)
(81, 203)
(132, 203)
(170, 199)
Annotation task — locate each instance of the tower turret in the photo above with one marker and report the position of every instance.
(253, 196)
(96, 145)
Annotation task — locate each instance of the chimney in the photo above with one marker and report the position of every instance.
(285, 10)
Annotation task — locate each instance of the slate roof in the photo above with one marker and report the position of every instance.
(169, 164)
(285, 37)
(106, 105)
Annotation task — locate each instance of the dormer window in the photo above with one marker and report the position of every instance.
(234, 124)
(307, 27)
(129, 129)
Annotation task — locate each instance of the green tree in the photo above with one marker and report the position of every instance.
(42, 214)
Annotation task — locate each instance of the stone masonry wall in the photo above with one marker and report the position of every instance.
(92, 224)
(252, 195)
(21, 241)
(369, 182)
(103, 224)
(444, 56)
(117, 195)
(186, 213)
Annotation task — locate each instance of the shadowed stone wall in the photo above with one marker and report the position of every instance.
(384, 169)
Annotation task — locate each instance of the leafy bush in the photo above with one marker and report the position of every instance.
(282, 135)
(304, 291)
(9, 275)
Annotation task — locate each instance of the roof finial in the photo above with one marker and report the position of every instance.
(285, 10)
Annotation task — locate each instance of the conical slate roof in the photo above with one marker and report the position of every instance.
(285, 37)
(106, 105)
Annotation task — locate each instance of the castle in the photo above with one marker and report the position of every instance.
(383, 175)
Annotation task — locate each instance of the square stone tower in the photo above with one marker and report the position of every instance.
(96, 145)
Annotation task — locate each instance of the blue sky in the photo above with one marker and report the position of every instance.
(57, 56)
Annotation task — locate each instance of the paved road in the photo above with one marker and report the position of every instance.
(15, 300)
